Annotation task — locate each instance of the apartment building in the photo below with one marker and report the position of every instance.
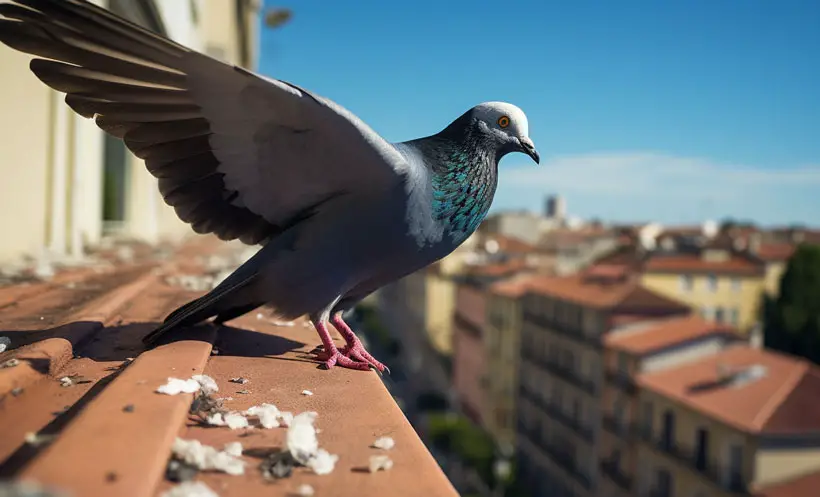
(565, 320)
(502, 331)
(722, 285)
(742, 422)
(470, 357)
(634, 349)
(80, 184)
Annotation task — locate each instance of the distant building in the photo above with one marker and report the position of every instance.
(523, 225)
(80, 183)
(556, 207)
(633, 349)
(573, 250)
(722, 285)
(740, 422)
(565, 320)
(470, 357)
(502, 336)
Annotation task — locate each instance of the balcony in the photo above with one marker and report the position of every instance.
(623, 430)
(586, 385)
(561, 329)
(622, 381)
(564, 459)
(555, 413)
(80, 415)
(713, 471)
(614, 473)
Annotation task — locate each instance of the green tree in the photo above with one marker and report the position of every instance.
(792, 320)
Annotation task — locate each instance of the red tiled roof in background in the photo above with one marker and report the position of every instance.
(664, 333)
(786, 400)
(513, 287)
(510, 245)
(499, 269)
(693, 263)
(602, 293)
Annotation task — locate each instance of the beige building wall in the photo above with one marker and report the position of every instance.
(52, 160)
(741, 293)
(25, 158)
(774, 271)
(760, 466)
(501, 341)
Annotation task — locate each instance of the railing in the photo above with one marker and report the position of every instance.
(614, 473)
(624, 430)
(563, 459)
(622, 380)
(563, 372)
(554, 412)
(564, 330)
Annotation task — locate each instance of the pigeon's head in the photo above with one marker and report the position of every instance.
(507, 126)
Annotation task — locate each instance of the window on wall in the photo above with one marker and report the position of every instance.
(734, 476)
(712, 283)
(734, 316)
(736, 284)
(647, 418)
(686, 283)
(663, 483)
(668, 434)
(619, 413)
(720, 314)
(707, 312)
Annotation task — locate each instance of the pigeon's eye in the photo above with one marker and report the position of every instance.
(503, 121)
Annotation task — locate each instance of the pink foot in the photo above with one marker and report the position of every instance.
(354, 348)
(332, 356)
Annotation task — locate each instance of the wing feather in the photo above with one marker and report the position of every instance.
(236, 154)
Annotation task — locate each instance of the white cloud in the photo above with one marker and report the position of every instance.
(647, 185)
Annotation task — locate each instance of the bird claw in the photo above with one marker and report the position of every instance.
(355, 357)
(341, 360)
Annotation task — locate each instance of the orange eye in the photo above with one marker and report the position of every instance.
(503, 121)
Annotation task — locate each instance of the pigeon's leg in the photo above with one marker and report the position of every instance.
(354, 348)
(331, 354)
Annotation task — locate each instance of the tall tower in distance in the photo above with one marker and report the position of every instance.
(556, 207)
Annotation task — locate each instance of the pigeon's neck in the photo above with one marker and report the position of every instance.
(464, 168)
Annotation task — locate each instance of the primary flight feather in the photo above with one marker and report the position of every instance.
(338, 210)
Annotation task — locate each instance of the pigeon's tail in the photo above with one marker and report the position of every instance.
(215, 303)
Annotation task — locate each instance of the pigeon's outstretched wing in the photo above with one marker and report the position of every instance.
(236, 154)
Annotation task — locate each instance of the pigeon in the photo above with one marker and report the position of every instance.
(337, 211)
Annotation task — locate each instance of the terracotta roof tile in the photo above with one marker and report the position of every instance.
(498, 269)
(511, 245)
(602, 292)
(660, 334)
(513, 287)
(686, 263)
(785, 400)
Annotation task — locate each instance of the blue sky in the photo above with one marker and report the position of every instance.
(641, 110)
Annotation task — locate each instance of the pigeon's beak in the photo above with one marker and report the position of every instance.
(528, 147)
